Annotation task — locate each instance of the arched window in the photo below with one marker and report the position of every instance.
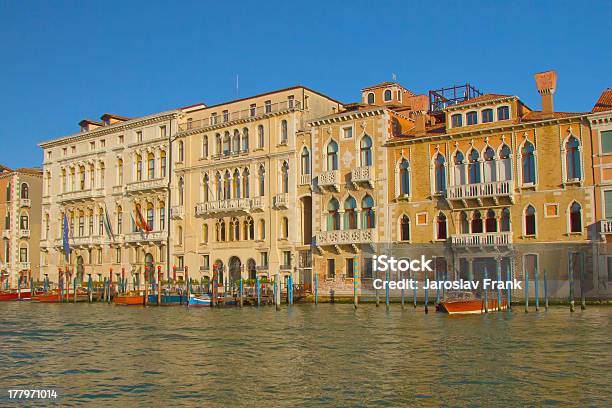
(459, 169)
(528, 164)
(284, 228)
(367, 210)
(284, 132)
(404, 177)
(150, 166)
(205, 188)
(25, 191)
(260, 136)
(285, 177)
(404, 228)
(236, 141)
(162, 216)
(227, 185)
(8, 187)
(249, 229)
(262, 229)
(181, 191)
(204, 146)
(234, 231)
(366, 151)
(119, 220)
(24, 222)
(305, 161)
(474, 167)
(505, 164)
(162, 157)
(333, 215)
(332, 155)
(572, 153)
(487, 115)
(245, 183)
(150, 217)
(245, 140)
(350, 214)
(477, 222)
(472, 118)
(490, 167)
(505, 220)
(218, 144)
(503, 113)
(575, 218)
(491, 221)
(440, 174)
(388, 95)
(441, 227)
(262, 180)
(236, 184)
(371, 98)
(226, 143)
(221, 230)
(181, 151)
(204, 232)
(219, 183)
(530, 220)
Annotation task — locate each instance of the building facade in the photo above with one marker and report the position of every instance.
(107, 182)
(20, 206)
(241, 191)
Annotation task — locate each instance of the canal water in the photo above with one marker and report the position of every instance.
(326, 355)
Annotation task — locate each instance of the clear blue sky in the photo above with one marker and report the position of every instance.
(64, 61)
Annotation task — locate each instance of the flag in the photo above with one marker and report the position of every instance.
(137, 226)
(140, 221)
(107, 225)
(65, 238)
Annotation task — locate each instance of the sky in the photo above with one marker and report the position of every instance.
(61, 62)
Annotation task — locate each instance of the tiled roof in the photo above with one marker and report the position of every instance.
(539, 115)
(387, 83)
(482, 98)
(430, 130)
(4, 169)
(604, 103)
(29, 170)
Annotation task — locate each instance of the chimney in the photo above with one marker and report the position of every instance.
(547, 83)
(419, 105)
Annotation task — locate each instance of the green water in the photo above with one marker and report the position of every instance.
(307, 355)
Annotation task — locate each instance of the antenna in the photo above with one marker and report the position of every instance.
(237, 87)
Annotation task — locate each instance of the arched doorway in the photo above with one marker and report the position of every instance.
(235, 267)
(251, 268)
(80, 269)
(149, 266)
(218, 267)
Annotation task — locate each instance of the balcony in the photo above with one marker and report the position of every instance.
(483, 239)
(229, 154)
(223, 206)
(25, 202)
(241, 116)
(493, 190)
(159, 184)
(177, 212)
(204, 268)
(329, 179)
(6, 234)
(24, 233)
(285, 268)
(362, 175)
(258, 203)
(82, 195)
(281, 200)
(305, 179)
(345, 237)
(262, 268)
(605, 227)
(153, 236)
(24, 266)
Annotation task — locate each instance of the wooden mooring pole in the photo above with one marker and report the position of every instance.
(316, 288)
(277, 290)
(498, 274)
(355, 282)
(582, 271)
(403, 288)
(258, 290)
(536, 282)
(241, 292)
(387, 289)
(545, 290)
(571, 281)
(426, 294)
(486, 300)
(526, 273)
(414, 290)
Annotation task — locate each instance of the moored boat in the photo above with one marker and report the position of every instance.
(7, 295)
(466, 303)
(49, 297)
(167, 299)
(130, 299)
(199, 301)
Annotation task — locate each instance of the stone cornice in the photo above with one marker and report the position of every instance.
(468, 105)
(116, 128)
(489, 131)
(350, 115)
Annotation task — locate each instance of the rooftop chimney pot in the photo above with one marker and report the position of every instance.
(546, 82)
